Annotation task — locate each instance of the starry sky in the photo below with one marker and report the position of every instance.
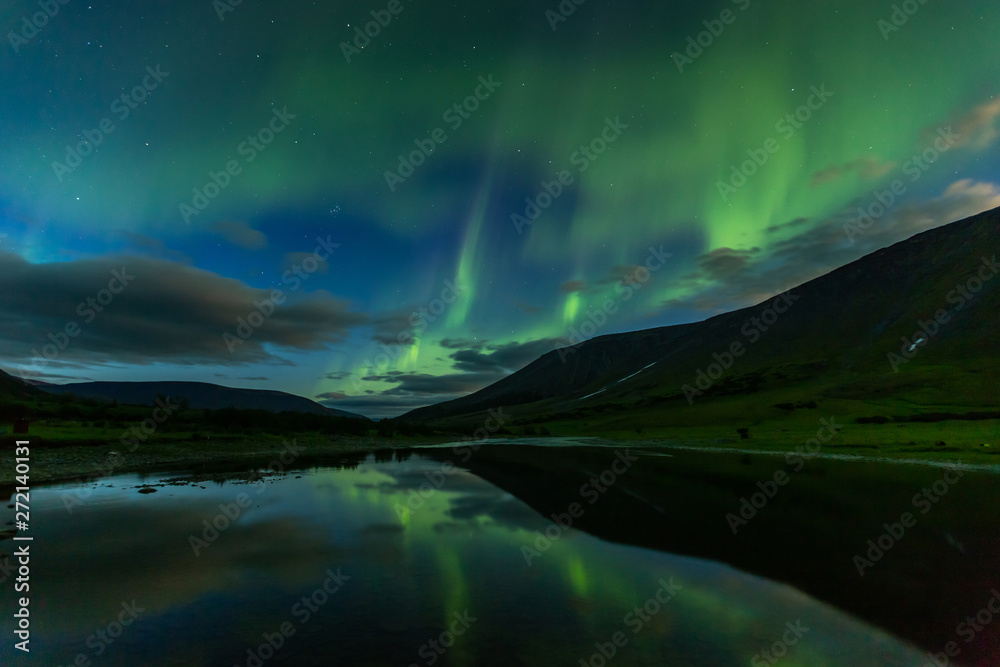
(381, 205)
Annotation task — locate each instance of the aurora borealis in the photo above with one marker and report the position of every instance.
(402, 202)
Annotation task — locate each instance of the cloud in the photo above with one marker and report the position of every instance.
(259, 378)
(167, 312)
(461, 344)
(724, 263)
(573, 286)
(434, 385)
(151, 246)
(727, 279)
(338, 375)
(504, 358)
(977, 128)
(331, 395)
(868, 169)
(240, 234)
(394, 328)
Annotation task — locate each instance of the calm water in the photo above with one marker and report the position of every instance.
(350, 566)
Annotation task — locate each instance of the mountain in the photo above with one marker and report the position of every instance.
(844, 335)
(14, 387)
(200, 396)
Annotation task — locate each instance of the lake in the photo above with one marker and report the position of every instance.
(516, 555)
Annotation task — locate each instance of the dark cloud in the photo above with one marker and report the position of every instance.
(147, 245)
(260, 378)
(867, 168)
(394, 328)
(167, 312)
(729, 279)
(240, 234)
(462, 344)
(573, 286)
(331, 395)
(409, 384)
(338, 375)
(504, 358)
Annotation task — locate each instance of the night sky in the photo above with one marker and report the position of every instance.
(375, 194)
